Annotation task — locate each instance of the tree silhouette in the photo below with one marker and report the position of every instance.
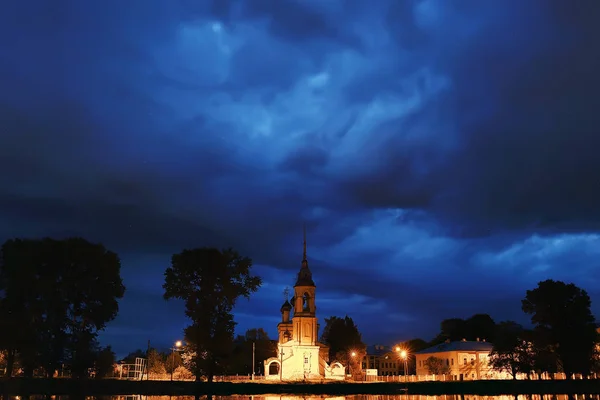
(564, 324)
(452, 329)
(105, 362)
(55, 295)
(210, 282)
(344, 339)
(479, 326)
(512, 351)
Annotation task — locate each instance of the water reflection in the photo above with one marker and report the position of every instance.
(316, 397)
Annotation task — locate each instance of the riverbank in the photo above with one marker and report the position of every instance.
(21, 386)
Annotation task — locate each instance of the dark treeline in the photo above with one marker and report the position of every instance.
(56, 295)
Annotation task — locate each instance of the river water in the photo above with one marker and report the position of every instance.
(316, 397)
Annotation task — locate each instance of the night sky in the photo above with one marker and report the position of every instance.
(444, 155)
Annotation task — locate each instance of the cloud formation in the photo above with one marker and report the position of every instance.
(442, 154)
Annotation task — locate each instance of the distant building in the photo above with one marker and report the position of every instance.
(466, 360)
(299, 354)
(383, 359)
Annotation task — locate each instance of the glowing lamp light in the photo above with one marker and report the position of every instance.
(403, 354)
(178, 343)
(353, 354)
(397, 348)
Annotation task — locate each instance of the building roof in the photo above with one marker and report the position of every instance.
(286, 306)
(457, 346)
(305, 276)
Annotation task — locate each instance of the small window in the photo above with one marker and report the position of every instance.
(465, 361)
(452, 361)
(447, 362)
(305, 360)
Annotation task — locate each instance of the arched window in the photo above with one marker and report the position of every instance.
(274, 368)
(305, 306)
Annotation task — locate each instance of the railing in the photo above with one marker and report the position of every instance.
(238, 378)
(425, 378)
(385, 378)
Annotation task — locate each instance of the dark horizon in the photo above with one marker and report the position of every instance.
(443, 155)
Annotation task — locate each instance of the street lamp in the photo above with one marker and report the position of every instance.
(352, 361)
(404, 356)
(175, 348)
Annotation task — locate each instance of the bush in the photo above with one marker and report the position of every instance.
(182, 373)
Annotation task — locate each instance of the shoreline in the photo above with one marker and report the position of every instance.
(61, 386)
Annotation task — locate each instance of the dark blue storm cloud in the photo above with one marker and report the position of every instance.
(443, 154)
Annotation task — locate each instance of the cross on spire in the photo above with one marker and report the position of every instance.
(304, 252)
(286, 293)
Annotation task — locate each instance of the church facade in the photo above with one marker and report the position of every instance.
(300, 355)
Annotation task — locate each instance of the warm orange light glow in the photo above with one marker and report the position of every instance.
(353, 354)
(397, 348)
(403, 354)
(178, 343)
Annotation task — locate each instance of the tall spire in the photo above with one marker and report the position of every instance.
(304, 276)
(304, 253)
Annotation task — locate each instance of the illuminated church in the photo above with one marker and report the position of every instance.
(300, 355)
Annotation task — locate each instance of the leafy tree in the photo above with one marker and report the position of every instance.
(171, 360)
(452, 329)
(480, 326)
(545, 357)
(156, 365)
(210, 282)
(81, 354)
(182, 373)
(55, 295)
(596, 358)
(21, 306)
(436, 366)
(345, 342)
(105, 362)
(564, 324)
(512, 352)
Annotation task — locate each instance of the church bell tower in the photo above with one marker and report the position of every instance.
(305, 327)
